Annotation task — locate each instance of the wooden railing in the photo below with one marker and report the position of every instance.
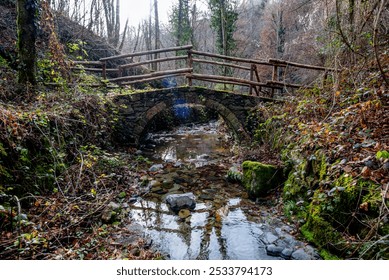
(193, 61)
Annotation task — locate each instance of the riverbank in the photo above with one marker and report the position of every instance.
(334, 148)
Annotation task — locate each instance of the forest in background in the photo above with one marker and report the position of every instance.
(55, 144)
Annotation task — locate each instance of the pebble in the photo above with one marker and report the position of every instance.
(184, 213)
(156, 167)
(386, 166)
(205, 196)
(154, 184)
(113, 206)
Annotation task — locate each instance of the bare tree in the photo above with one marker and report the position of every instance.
(157, 39)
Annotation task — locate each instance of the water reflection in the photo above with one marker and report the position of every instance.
(203, 235)
(197, 145)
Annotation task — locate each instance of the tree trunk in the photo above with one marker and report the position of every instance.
(27, 34)
(157, 37)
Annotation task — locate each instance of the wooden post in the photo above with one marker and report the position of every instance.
(104, 70)
(120, 71)
(251, 79)
(190, 65)
(274, 78)
(259, 89)
(275, 73)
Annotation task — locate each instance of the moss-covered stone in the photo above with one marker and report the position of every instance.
(259, 178)
(321, 233)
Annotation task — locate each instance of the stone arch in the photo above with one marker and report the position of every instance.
(230, 118)
(232, 121)
(145, 118)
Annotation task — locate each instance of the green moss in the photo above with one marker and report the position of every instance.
(259, 178)
(296, 186)
(372, 197)
(320, 166)
(321, 233)
(326, 255)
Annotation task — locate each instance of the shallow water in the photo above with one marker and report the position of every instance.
(225, 224)
(198, 145)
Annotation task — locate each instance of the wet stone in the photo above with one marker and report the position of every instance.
(176, 202)
(179, 180)
(156, 167)
(300, 254)
(278, 231)
(286, 253)
(270, 238)
(155, 183)
(273, 250)
(158, 190)
(167, 183)
(184, 213)
(205, 196)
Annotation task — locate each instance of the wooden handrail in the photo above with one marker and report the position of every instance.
(283, 84)
(152, 61)
(152, 79)
(224, 78)
(220, 63)
(154, 74)
(284, 63)
(231, 58)
(188, 47)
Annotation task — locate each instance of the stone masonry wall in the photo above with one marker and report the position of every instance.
(137, 109)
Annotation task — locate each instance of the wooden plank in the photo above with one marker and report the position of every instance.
(285, 63)
(282, 84)
(221, 64)
(151, 75)
(231, 58)
(224, 82)
(151, 79)
(153, 61)
(224, 78)
(147, 52)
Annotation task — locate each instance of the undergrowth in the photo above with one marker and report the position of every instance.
(59, 172)
(323, 135)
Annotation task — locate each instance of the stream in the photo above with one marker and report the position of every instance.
(225, 223)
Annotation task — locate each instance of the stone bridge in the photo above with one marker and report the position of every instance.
(137, 109)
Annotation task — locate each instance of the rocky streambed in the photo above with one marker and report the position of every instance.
(222, 222)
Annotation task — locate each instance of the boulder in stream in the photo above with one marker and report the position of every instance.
(176, 202)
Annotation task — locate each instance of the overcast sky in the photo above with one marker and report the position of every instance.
(137, 10)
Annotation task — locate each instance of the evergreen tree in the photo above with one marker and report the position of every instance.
(180, 22)
(223, 20)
